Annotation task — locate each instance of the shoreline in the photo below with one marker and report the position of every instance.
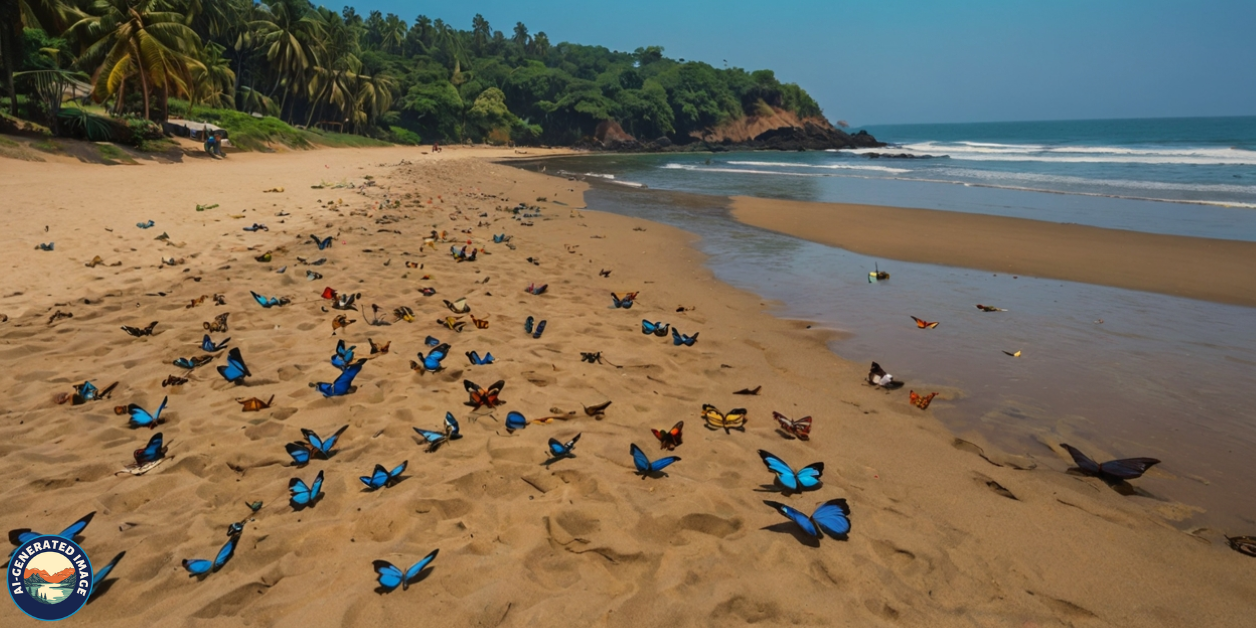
(1182, 266)
(934, 541)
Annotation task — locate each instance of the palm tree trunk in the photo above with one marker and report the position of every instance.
(139, 65)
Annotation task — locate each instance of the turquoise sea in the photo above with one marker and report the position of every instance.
(1160, 376)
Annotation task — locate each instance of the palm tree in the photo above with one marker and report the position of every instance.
(130, 38)
(521, 37)
(480, 34)
(290, 35)
(49, 15)
(215, 81)
(540, 45)
(392, 34)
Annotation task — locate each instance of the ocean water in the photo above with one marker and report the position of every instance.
(1178, 176)
(1121, 372)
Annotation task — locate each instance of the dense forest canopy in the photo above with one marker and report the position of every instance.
(370, 74)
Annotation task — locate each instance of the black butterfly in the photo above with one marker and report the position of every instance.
(322, 244)
(1113, 470)
(137, 332)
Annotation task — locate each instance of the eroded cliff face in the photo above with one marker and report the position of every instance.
(778, 130)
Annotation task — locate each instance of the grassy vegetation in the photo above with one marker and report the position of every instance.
(247, 132)
(4, 141)
(112, 154)
(48, 146)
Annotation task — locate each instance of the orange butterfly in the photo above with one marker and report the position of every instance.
(922, 402)
(670, 439)
(484, 396)
(480, 323)
(924, 324)
(341, 321)
(801, 429)
(254, 404)
(376, 348)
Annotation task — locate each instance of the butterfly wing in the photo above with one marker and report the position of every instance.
(451, 426)
(235, 370)
(398, 470)
(389, 576)
(300, 454)
(261, 300)
(1128, 468)
(802, 428)
(429, 435)
(638, 459)
(1083, 461)
(515, 421)
(103, 573)
(197, 566)
(797, 517)
(648, 328)
(833, 517)
(152, 451)
(784, 473)
(140, 417)
(345, 381)
(557, 449)
(676, 337)
(809, 476)
(326, 242)
(300, 492)
(376, 479)
(226, 552)
(317, 486)
(75, 528)
(207, 344)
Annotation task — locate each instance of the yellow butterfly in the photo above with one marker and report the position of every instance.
(715, 420)
(453, 323)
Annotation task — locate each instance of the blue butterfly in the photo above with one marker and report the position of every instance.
(643, 464)
(343, 384)
(681, 339)
(234, 371)
(322, 244)
(22, 535)
(300, 453)
(145, 225)
(562, 450)
(141, 418)
(45, 246)
(191, 363)
(436, 439)
(499, 238)
(201, 567)
(343, 355)
(658, 329)
(235, 527)
(805, 478)
(303, 495)
(832, 517)
(430, 362)
(390, 576)
(626, 302)
(103, 572)
(476, 360)
(431, 341)
(152, 452)
(256, 227)
(269, 302)
(540, 329)
(208, 345)
(515, 421)
(527, 325)
(382, 477)
(322, 446)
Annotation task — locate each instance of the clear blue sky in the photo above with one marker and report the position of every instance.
(901, 61)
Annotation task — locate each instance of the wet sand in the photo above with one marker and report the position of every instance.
(1197, 268)
(941, 536)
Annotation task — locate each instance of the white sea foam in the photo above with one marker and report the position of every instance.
(780, 164)
(992, 175)
(985, 151)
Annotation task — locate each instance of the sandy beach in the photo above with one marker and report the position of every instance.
(941, 536)
(1197, 268)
